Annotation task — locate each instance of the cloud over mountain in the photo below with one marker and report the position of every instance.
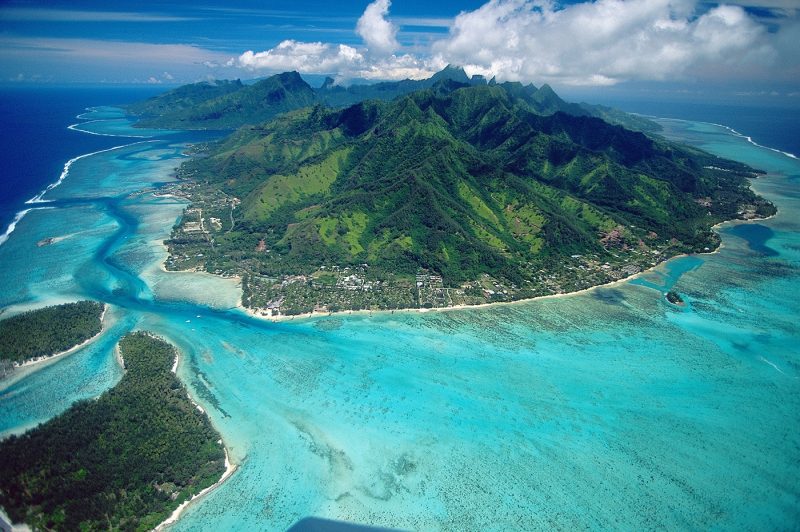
(596, 43)
(600, 43)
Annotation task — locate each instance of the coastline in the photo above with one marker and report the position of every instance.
(254, 313)
(24, 369)
(312, 315)
(230, 468)
(40, 360)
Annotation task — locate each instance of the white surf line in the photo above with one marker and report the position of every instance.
(13, 225)
(38, 197)
(751, 141)
(735, 133)
(74, 127)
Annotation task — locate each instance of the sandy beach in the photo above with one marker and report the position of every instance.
(229, 466)
(282, 318)
(256, 313)
(41, 360)
(229, 470)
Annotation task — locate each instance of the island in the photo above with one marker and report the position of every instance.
(42, 333)
(124, 461)
(456, 192)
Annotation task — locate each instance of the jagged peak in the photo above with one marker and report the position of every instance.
(455, 73)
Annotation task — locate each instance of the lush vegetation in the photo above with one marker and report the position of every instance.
(183, 99)
(124, 461)
(50, 330)
(462, 182)
(224, 105)
(231, 104)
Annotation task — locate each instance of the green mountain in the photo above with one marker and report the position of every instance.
(340, 96)
(227, 105)
(183, 98)
(466, 183)
(231, 104)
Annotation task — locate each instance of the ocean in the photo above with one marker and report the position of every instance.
(607, 409)
(774, 125)
(35, 141)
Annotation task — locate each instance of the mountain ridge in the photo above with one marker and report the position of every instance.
(466, 185)
(232, 104)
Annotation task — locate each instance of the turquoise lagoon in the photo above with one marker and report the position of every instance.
(606, 409)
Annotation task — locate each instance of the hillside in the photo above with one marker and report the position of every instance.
(464, 190)
(231, 104)
(225, 105)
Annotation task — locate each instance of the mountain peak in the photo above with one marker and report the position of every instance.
(451, 72)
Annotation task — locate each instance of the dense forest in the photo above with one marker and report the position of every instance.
(49, 330)
(124, 461)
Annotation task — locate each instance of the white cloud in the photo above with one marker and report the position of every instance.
(373, 61)
(600, 43)
(379, 34)
(304, 57)
(603, 42)
(342, 60)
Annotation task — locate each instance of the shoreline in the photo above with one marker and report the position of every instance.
(230, 467)
(314, 315)
(41, 360)
(24, 369)
(254, 313)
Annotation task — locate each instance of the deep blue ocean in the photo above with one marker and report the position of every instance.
(774, 126)
(35, 141)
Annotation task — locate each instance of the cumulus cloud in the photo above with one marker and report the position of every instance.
(379, 34)
(592, 43)
(303, 56)
(340, 59)
(375, 60)
(600, 43)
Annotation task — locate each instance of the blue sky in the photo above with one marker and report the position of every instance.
(677, 45)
